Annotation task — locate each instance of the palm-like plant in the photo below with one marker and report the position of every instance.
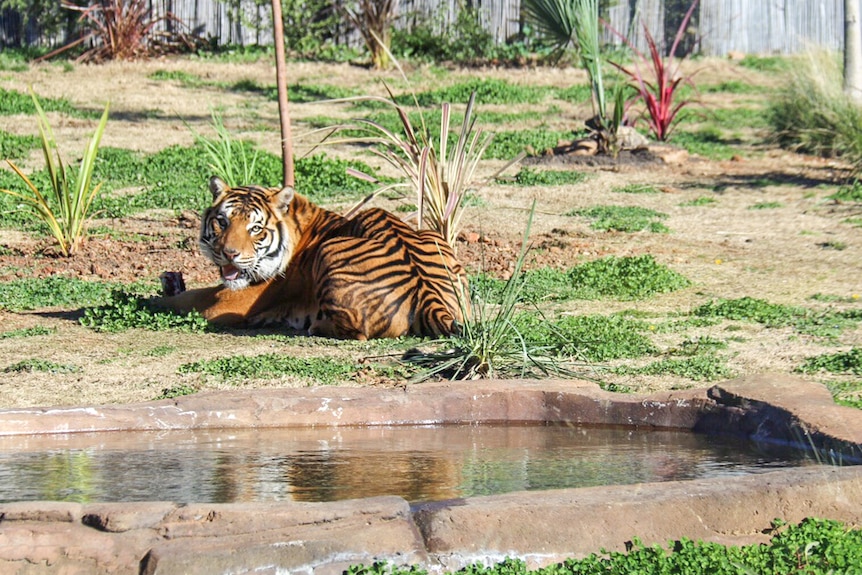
(576, 23)
(554, 19)
(67, 212)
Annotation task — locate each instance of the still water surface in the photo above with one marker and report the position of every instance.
(422, 463)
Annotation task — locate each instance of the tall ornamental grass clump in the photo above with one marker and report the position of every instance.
(439, 165)
(812, 114)
(66, 209)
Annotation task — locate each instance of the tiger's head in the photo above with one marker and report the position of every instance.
(245, 234)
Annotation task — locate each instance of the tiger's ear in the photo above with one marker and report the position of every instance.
(217, 186)
(283, 198)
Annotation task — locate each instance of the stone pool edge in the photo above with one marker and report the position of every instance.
(542, 527)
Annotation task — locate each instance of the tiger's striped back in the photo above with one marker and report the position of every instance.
(406, 281)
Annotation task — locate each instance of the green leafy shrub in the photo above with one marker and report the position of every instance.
(634, 277)
(593, 338)
(811, 547)
(507, 144)
(53, 291)
(319, 370)
(842, 362)
(124, 311)
(14, 147)
(700, 367)
(42, 365)
(26, 332)
(533, 177)
(623, 218)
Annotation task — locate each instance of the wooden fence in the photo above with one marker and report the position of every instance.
(718, 26)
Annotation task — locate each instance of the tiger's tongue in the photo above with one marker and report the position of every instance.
(229, 272)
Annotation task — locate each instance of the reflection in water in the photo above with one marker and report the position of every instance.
(326, 464)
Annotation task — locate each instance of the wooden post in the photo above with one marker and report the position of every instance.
(281, 84)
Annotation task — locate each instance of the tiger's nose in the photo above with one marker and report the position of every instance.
(230, 253)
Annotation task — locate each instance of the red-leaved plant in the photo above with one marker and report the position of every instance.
(660, 93)
(120, 29)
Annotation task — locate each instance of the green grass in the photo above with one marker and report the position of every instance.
(40, 365)
(175, 178)
(534, 177)
(846, 393)
(26, 332)
(699, 202)
(846, 362)
(175, 391)
(318, 370)
(623, 218)
(636, 189)
(576, 94)
(13, 102)
(765, 63)
(509, 143)
(848, 194)
(732, 87)
(185, 78)
(707, 142)
(700, 367)
(813, 547)
(297, 93)
(826, 324)
(731, 119)
(766, 206)
(488, 91)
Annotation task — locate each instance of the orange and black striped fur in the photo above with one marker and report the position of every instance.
(286, 261)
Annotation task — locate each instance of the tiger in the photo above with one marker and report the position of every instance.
(286, 261)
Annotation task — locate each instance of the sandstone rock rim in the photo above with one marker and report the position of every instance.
(542, 527)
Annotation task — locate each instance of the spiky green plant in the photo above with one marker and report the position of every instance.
(439, 174)
(65, 213)
(230, 159)
(490, 343)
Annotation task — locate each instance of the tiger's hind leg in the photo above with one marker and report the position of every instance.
(338, 324)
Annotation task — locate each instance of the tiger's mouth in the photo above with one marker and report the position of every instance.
(231, 273)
